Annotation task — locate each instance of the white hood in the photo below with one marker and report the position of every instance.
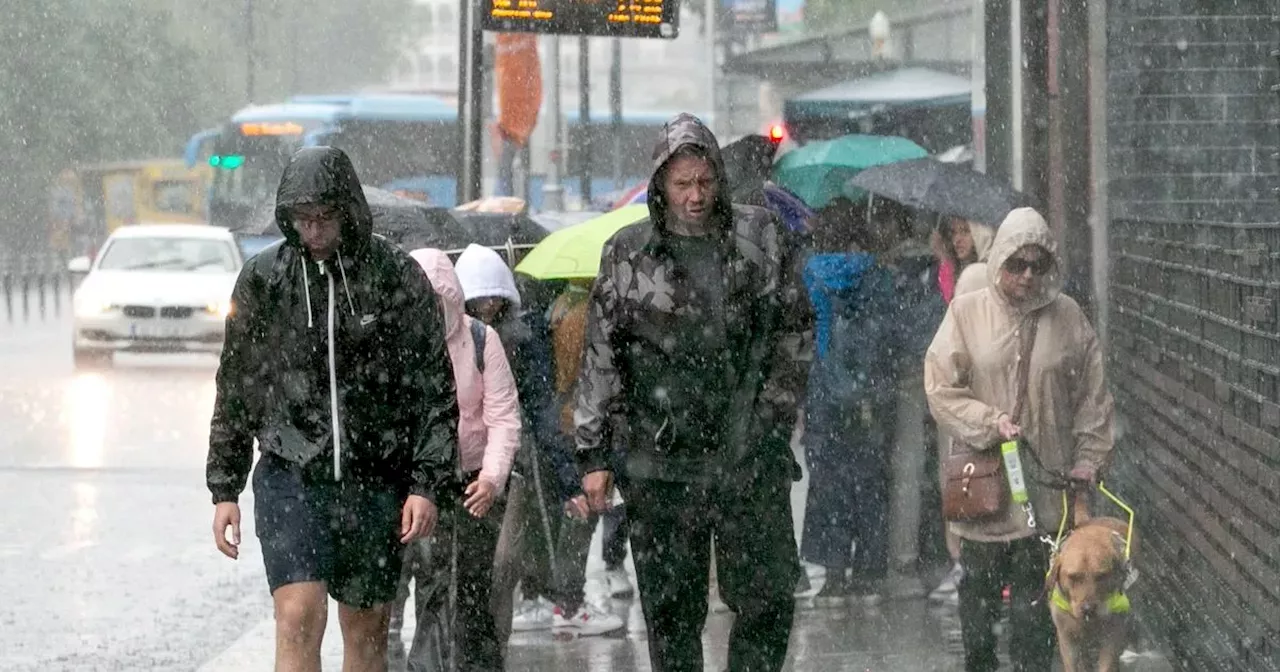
(483, 273)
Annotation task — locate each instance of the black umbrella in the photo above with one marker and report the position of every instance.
(404, 221)
(495, 229)
(944, 188)
(748, 162)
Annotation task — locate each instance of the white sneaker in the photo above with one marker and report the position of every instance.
(618, 583)
(950, 585)
(532, 615)
(588, 621)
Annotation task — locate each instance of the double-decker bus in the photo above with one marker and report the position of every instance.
(400, 142)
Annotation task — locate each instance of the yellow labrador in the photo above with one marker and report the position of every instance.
(1086, 586)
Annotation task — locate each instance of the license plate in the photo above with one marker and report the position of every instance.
(156, 331)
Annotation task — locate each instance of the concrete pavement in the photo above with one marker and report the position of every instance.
(106, 560)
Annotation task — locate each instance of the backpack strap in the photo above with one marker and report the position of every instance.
(478, 330)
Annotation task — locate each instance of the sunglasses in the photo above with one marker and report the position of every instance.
(1018, 265)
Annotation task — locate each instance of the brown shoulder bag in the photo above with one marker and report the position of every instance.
(975, 486)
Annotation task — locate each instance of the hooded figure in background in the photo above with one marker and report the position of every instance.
(335, 363)
(544, 473)
(961, 248)
(462, 549)
(692, 371)
(850, 409)
(1065, 426)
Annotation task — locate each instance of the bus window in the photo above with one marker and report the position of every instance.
(383, 152)
(250, 180)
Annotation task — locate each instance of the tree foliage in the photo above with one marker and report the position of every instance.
(85, 81)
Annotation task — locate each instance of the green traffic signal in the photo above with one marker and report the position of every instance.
(228, 162)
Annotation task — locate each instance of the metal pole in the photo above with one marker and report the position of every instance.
(615, 107)
(1098, 212)
(248, 50)
(998, 75)
(584, 119)
(470, 88)
(552, 190)
(907, 468)
(712, 6)
(1017, 98)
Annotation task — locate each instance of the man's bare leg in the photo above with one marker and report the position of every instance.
(364, 637)
(302, 610)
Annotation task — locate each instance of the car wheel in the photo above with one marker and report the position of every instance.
(90, 360)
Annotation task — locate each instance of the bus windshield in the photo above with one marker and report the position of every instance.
(246, 174)
(386, 154)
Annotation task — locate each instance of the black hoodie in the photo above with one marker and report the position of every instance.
(395, 403)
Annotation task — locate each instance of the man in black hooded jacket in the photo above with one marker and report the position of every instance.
(690, 378)
(335, 363)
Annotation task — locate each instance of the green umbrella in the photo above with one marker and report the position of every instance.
(574, 252)
(820, 171)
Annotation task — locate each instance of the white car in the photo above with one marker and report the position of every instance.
(155, 288)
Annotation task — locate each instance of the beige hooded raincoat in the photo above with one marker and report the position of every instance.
(971, 371)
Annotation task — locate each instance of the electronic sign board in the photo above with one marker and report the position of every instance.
(604, 18)
(750, 16)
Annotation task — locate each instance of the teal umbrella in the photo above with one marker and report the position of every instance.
(820, 171)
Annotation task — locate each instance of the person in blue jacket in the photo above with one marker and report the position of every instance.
(851, 403)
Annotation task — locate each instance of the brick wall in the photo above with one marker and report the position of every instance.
(1195, 284)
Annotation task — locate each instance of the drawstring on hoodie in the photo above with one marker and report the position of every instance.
(306, 289)
(333, 355)
(351, 305)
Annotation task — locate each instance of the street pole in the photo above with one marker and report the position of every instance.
(248, 50)
(712, 8)
(1017, 98)
(552, 189)
(584, 120)
(615, 108)
(470, 88)
(1098, 176)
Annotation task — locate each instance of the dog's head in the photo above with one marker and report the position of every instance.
(1089, 569)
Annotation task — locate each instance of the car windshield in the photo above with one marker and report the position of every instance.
(169, 254)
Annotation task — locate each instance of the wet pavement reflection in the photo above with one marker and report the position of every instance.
(107, 563)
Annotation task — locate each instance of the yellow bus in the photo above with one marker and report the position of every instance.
(88, 202)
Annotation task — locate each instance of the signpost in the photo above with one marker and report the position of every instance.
(582, 18)
(604, 18)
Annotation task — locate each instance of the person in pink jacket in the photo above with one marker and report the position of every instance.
(488, 436)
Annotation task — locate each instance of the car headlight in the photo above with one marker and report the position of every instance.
(91, 306)
(219, 308)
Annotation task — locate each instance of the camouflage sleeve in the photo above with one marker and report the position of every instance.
(599, 384)
(793, 348)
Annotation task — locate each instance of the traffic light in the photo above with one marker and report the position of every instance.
(227, 161)
(777, 133)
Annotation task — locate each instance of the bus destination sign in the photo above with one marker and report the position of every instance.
(605, 18)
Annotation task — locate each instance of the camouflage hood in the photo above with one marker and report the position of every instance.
(686, 130)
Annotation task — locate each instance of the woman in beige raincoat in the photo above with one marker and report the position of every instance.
(971, 381)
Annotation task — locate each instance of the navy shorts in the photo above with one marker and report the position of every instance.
(345, 534)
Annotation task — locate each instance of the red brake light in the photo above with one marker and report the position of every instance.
(777, 133)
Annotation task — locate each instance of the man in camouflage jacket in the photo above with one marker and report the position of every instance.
(688, 388)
